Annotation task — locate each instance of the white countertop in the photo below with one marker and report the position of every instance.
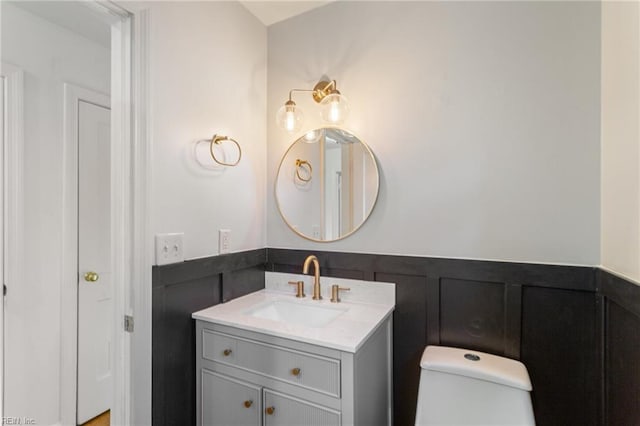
(366, 306)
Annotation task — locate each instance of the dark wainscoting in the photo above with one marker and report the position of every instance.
(179, 290)
(575, 328)
(543, 315)
(621, 346)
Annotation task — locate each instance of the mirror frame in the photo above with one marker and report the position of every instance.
(373, 205)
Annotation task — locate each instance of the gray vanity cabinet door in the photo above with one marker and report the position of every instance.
(229, 402)
(284, 410)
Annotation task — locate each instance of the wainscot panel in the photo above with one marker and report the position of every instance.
(622, 349)
(411, 324)
(544, 315)
(575, 328)
(472, 315)
(179, 290)
(559, 348)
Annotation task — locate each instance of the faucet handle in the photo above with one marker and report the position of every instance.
(299, 288)
(335, 292)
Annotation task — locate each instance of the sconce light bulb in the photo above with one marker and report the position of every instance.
(334, 112)
(290, 121)
(334, 108)
(289, 117)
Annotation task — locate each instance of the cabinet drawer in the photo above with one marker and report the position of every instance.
(218, 347)
(229, 402)
(281, 410)
(313, 372)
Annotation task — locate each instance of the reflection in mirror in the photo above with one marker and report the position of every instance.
(327, 184)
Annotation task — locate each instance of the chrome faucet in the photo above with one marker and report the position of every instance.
(316, 275)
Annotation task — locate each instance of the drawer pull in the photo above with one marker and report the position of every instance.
(248, 403)
(270, 410)
(227, 352)
(296, 371)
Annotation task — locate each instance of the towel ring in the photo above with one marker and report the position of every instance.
(300, 164)
(217, 140)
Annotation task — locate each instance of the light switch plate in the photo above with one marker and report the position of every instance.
(169, 248)
(224, 241)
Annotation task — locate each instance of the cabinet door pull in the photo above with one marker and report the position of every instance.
(227, 352)
(270, 410)
(248, 403)
(296, 371)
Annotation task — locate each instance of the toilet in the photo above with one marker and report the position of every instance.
(464, 387)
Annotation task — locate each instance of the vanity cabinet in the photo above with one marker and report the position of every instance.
(250, 378)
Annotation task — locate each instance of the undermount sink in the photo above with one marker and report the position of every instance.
(296, 313)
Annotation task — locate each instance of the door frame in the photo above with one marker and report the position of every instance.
(131, 241)
(12, 193)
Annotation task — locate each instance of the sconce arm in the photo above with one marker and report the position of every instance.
(298, 90)
(319, 91)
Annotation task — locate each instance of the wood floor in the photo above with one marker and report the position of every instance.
(103, 419)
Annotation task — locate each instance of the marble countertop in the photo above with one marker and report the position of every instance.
(365, 306)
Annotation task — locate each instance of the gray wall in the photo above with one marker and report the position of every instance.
(484, 117)
(208, 75)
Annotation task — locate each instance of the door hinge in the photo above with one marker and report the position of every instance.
(4, 289)
(128, 323)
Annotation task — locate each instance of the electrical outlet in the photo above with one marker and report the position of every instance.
(169, 248)
(224, 241)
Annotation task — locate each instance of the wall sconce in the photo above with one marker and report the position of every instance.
(334, 107)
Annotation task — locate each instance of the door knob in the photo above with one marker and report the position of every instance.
(91, 277)
(270, 410)
(248, 403)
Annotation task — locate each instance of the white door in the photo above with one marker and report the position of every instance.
(95, 310)
(2, 239)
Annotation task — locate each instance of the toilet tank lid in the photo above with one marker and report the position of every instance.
(478, 365)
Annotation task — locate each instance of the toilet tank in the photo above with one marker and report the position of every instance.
(464, 387)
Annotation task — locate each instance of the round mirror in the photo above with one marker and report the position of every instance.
(327, 184)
